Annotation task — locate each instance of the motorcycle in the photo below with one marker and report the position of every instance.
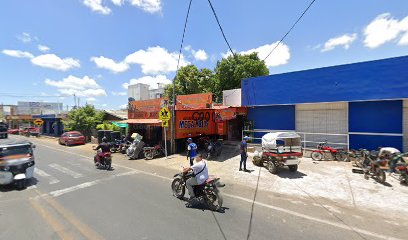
(360, 157)
(135, 148)
(213, 148)
(124, 146)
(207, 192)
(151, 152)
(377, 167)
(323, 151)
(115, 145)
(400, 166)
(105, 160)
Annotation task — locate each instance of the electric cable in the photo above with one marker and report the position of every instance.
(219, 25)
(287, 33)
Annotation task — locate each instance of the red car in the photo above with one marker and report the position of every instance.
(13, 131)
(71, 138)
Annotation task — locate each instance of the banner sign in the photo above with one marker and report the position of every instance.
(194, 101)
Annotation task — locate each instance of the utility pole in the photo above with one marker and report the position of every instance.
(78, 101)
(173, 119)
(75, 101)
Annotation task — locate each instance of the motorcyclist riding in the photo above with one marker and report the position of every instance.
(105, 147)
(200, 174)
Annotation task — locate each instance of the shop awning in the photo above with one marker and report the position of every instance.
(141, 121)
(120, 124)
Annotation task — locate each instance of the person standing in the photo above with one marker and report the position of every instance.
(244, 153)
(191, 151)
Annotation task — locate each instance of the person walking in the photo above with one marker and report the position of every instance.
(191, 151)
(244, 153)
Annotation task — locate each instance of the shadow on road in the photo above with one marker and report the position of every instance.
(12, 187)
(285, 173)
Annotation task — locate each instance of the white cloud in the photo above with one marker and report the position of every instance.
(344, 40)
(156, 60)
(82, 87)
(119, 93)
(91, 99)
(123, 106)
(43, 48)
(17, 53)
(188, 48)
(385, 28)
(200, 55)
(96, 6)
(55, 62)
(150, 6)
(26, 37)
(107, 63)
(152, 81)
(280, 56)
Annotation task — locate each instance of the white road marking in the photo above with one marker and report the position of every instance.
(41, 173)
(65, 170)
(81, 166)
(301, 215)
(60, 192)
(334, 224)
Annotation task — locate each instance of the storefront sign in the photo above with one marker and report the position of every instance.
(145, 108)
(194, 101)
(194, 123)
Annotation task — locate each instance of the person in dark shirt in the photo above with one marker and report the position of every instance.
(104, 146)
(244, 153)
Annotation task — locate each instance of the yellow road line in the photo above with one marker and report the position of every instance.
(51, 220)
(86, 231)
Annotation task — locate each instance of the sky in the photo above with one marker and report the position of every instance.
(51, 50)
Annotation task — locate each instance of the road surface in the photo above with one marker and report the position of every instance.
(70, 199)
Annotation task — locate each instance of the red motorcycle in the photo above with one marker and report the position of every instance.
(326, 152)
(105, 160)
(151, 152)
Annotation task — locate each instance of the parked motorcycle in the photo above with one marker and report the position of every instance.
(376, 168)
(151, 152)
(124, 146)
(207, 192)
(326, 152)
(105, 161)
(359, 158)
(400, 166)
(135, 149)
(212, 149)
(115, 145)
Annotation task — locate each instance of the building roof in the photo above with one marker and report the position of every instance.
(142, 121)
(384, 79)
(120, 114)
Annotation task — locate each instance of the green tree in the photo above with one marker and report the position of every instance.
(83, 119)
(231, 70)
(190, 80)
(107, 126)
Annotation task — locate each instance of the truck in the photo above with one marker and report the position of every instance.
(3, 130)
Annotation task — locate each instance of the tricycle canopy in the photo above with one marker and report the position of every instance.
(272, 140)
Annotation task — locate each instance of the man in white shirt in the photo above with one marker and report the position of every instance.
(200, 170)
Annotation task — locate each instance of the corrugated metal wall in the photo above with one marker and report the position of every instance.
(323, 118)
(405, 123)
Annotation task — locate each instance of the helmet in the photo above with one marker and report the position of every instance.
(104, 139)
(246, 138)
(189, 140)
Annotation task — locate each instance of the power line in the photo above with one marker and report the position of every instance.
(173, 146)
(219, 25)
(28, 95)
(304, 12)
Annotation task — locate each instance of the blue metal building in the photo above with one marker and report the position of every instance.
(361, 105)
(52, 124)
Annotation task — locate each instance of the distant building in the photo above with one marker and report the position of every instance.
(39, 108)
(141, 91)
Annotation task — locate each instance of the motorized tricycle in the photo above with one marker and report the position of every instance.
(16, 162)
(279, 149)
(135, 149)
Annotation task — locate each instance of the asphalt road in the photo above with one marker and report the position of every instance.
(70, 199)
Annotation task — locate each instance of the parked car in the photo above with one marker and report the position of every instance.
(13, 131)
(72, 138)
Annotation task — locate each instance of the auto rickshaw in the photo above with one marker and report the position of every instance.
(16, 162)
(279, 149)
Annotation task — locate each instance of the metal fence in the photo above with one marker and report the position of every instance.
(308, 140)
